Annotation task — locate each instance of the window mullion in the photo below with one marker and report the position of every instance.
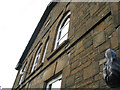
(45, 50)
(62, 37)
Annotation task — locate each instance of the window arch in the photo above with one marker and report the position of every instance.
(45, 49)
(37, 56)
(22, 72)
(62, 32)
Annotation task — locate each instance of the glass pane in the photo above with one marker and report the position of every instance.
(63, 39)
(45, 51)
(36, 60)
(66, 21)
(20, 79)
(57, 85)
(64, 30)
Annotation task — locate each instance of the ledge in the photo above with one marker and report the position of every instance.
(58, 49)
(33, 72)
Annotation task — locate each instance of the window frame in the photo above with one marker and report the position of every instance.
(22, 73)
(61, 28)
(37, 57)
(53, 81)
(45, 50)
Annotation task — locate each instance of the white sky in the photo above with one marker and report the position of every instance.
(18, 20)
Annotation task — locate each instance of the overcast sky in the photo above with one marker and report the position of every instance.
(18, 20)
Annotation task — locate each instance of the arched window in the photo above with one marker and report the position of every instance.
(45, 50)
(36, 59)
(21, 74)
(62, 32)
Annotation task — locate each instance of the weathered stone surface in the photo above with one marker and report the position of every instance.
(93, 85)
(99, 56)
(98, 39)
(61, 64)
(70, 81)
(90, 70)
(104, 46)
(75, 64)
(93, 28)
(78, 77)
(115, 13)
(85, 82)
(99, 76)
(114, 40)
(49, 72)
(81, 67)
(102, 83)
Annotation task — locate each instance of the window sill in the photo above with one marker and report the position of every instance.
(31, 73)
(58, 49)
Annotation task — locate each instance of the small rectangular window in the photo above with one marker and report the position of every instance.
(54, 83)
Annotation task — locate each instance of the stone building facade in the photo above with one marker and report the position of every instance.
(67, 47)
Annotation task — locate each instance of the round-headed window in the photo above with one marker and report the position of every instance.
(62, 32)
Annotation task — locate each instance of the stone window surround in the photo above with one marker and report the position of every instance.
(36, 57)
(60, 30)
(47, 23)
(53, 81)
(22, 73)
(40, 61)
(42, 45)
(45, 49)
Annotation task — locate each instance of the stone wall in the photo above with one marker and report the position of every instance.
(94, 27)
